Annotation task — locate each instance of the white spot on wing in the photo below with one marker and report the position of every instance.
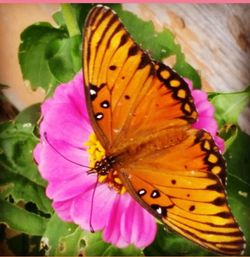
(142, 192)
(92, 92)
(159, 210)
(154, 194)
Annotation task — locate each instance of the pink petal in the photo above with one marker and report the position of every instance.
(138, 227)
(101, 206)
(220, 143)
(66, 115)
(37, 152)
(207, 124)
(112, 231)
(61, 190)
(53, 166)
(62, 209)
(129, 223)
(205, 111)
(199, 96)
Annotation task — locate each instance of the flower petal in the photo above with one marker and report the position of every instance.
(65, 114)
(103, 199)
(206, 123)
(61, 190)
(205, 111)
(220, 143)
(37, 152)
(138, 227)
(62, 209)
(112, 231)
(53, 165)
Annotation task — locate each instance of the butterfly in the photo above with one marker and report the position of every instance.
(142, 113)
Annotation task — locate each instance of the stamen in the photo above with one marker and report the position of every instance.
(102, 178)
(95, 150)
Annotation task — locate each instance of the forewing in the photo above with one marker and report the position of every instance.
(128, 95)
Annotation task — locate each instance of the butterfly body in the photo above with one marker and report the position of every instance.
(142, 113)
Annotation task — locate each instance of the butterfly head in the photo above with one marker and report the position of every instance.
(107, 173)
(104, 166)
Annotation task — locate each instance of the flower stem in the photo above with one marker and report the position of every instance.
(70, 20)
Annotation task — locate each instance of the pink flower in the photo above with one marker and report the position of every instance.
(67, 128)
(63, 156)
(205, 111)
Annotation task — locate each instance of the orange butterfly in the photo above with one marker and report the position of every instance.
(142, 113)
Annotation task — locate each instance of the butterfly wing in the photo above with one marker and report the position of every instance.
(187, 192)
(127, 93)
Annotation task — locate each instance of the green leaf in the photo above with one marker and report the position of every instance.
(69, 16)
(238, 185)
(64, 57)
(58, 18)
(67, 239)
(81, 12)
(16, 147)
(21, 220)
(95, 246)
(48, 56)
(30, 114)
(32, 54)
(237, 157)
(238, 197)
(229, 134)
(56, 231)
(72, 244)
(160, 44)
(167, 243)
(228, 106)
(22, 189)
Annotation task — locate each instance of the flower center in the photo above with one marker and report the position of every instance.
(96, 154)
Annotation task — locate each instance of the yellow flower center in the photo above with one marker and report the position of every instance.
(97, 153)
(95, 150)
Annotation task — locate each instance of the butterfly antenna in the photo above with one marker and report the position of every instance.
(92, 206)
(63, 156)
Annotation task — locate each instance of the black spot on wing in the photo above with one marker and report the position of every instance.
(112, 67)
